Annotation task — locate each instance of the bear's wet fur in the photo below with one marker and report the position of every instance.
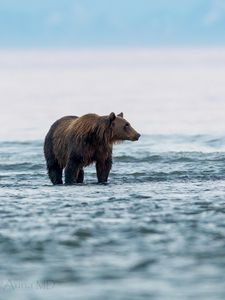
(73, 143)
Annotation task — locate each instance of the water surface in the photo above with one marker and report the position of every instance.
(155, 231)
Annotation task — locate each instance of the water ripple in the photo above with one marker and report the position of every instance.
(161, 216)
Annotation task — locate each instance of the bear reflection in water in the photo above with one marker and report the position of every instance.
(75, 142)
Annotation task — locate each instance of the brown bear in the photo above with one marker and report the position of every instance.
(75, 142)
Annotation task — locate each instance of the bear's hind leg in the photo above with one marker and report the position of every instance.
(55, 173)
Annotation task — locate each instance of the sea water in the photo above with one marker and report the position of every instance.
(157, 229)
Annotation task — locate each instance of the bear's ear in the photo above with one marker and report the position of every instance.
(120, 115)
(112, 117)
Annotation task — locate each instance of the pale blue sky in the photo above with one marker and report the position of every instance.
(111, 23)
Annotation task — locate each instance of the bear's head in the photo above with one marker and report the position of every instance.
(121, 128)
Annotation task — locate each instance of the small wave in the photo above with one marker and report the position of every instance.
(143, 264)
(172, 157)
(128, 158)
(21, 143)
(173, 176)
(21, 166)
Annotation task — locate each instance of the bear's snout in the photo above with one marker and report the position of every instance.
(136, 137)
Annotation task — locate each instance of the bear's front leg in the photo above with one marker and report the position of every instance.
(80, 177)
(103, 168)
(72, 170)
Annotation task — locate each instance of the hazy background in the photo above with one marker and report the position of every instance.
(161, 62)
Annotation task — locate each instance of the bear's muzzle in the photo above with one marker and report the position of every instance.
(136, 137)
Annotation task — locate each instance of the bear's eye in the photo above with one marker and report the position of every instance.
(126, 125)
